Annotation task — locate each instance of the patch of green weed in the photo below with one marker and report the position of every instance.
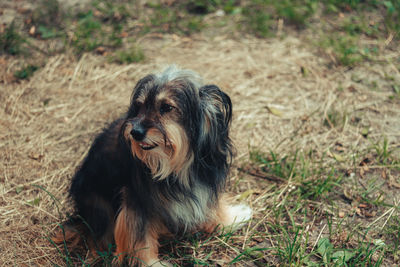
(208, 6)
(316, 187)
(368, 254)
(258, 18)
(164, 19)
(358, 24)
(311, 180)
(48, 14)
(335, 119)
(194, 24)
(392, 16)
(384, 153)
(11, 41)
(202, 6)
(132, 55)
(330, 256)
(261, 15)
(48, 33)
(295, 12)
(112, 11)
(49, 19)
(91, 33)
(346, 5)
(26, 72)
(392, 233)
(344, 48)
(173, 20)
(88, 34)
(291, 248)
(273, 163)
(388, 10)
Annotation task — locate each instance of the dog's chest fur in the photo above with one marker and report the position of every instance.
(190, 211)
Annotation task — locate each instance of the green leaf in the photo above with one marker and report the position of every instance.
(325, 249)
(274, 111)
(337, 157)
(379, 243)
(396, 89)
(389, 6)
(34, 202)
(46, 33)
(19, 189)
(312, 264)
(342, 256)
(246, 194)
(365, 131)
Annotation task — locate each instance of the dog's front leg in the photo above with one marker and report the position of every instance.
(136, 240)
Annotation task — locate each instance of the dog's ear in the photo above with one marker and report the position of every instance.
(217, 110)
(215, 147)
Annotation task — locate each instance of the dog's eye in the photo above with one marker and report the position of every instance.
(165, 108)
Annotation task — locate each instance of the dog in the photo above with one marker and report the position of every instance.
(159, 170)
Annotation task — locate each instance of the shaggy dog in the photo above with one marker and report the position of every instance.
(158, 170)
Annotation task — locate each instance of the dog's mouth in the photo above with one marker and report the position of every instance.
(146, 146)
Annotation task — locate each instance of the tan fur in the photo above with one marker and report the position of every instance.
(123, 234)
(143, 253)
(181, 160)
(218, 217)
(165, 159)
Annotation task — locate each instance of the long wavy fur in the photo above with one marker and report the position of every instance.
(117, 190)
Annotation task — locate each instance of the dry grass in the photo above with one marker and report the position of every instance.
(48, 122)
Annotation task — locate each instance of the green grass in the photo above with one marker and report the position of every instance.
(112, 11)
(384, 153)
(11, 41)
(49, 14)
(132, 55)
(91, 33)
(342, 43)
(25, 72)
(172, 20)
(310, 179)
(257, 19)
(296, 13)
(344, 48)
(291, 247)
(392, 231)
(335, 119)
(104, 23)
(312, 189)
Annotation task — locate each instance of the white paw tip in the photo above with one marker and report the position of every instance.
(240, 213)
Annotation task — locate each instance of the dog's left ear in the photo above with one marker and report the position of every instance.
(217, 110)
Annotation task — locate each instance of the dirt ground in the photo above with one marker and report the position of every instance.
(48, 122)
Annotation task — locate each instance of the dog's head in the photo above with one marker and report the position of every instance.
(174, 121)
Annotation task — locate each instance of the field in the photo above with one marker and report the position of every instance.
(315, 87)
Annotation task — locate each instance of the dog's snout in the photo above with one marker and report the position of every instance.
(138, 132)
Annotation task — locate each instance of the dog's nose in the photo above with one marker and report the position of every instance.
(138, 132)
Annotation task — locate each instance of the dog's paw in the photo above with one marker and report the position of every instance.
(238, 215)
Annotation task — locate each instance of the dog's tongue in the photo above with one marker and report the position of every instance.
(143, 144)
(146, 146)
